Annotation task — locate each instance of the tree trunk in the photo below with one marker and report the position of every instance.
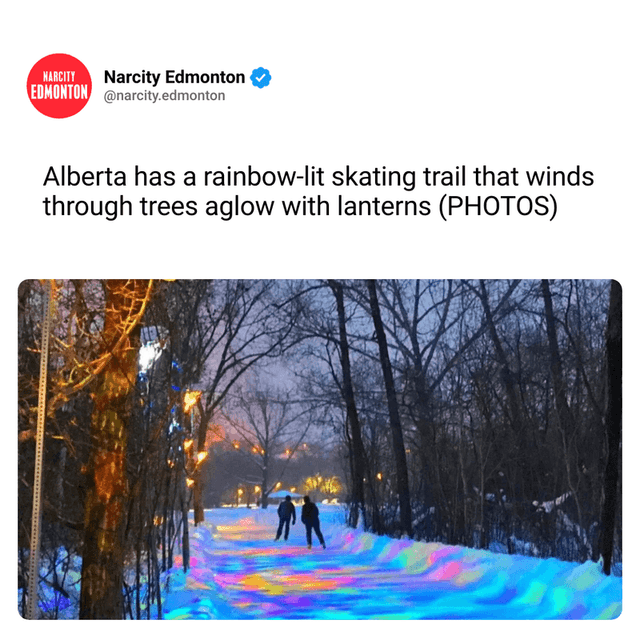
(566, 421)
(402, 475)
(613, 424)
(508, 379)
(352, 411)
(184, 503)
(103, 550)
(559, 392)
(198, 505)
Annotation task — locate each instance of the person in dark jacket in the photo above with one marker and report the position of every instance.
(311, 520)
(285, 511)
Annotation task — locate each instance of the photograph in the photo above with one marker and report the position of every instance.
(448, 449)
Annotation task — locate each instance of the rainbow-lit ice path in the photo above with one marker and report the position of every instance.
(237, 571)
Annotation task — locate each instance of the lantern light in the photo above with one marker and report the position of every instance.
(190, 400)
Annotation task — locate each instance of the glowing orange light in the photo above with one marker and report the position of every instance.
(190, 399)
(201, 456)
(287, 452)
(379, 476)
(236, 444)
(190, 482)
(292, 489)
(188, 444)
(257, 489)
(278, 485)
(240, 492)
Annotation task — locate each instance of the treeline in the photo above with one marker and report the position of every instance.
(481, 413)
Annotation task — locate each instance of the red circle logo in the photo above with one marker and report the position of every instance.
(59, 85)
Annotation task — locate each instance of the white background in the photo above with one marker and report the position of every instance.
(405, 85)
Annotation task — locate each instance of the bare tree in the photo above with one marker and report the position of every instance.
(359, 465)
(402, 477)
(241, 326)
(613, 422)
(270, 426)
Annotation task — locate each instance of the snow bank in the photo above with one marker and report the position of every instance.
(238, 571)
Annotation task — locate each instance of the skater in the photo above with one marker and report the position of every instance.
(311, 520)
(285, 511)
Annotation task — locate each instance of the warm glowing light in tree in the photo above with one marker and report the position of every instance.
(278, 485)
(240, 492)
(201, 456)
(190, 399)
(190, 482)
(236, 444)
(327, 486)
(379, 476)
(333, 485)
(292, 489)
(257, 489)
(188, 444)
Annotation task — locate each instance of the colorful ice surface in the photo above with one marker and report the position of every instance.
(237, 571)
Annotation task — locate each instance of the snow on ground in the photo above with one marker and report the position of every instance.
(237, 571)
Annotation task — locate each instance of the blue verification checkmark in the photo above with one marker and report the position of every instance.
(260, 77)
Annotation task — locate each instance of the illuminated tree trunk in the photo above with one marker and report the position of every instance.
(107, 495)
(198, 505)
